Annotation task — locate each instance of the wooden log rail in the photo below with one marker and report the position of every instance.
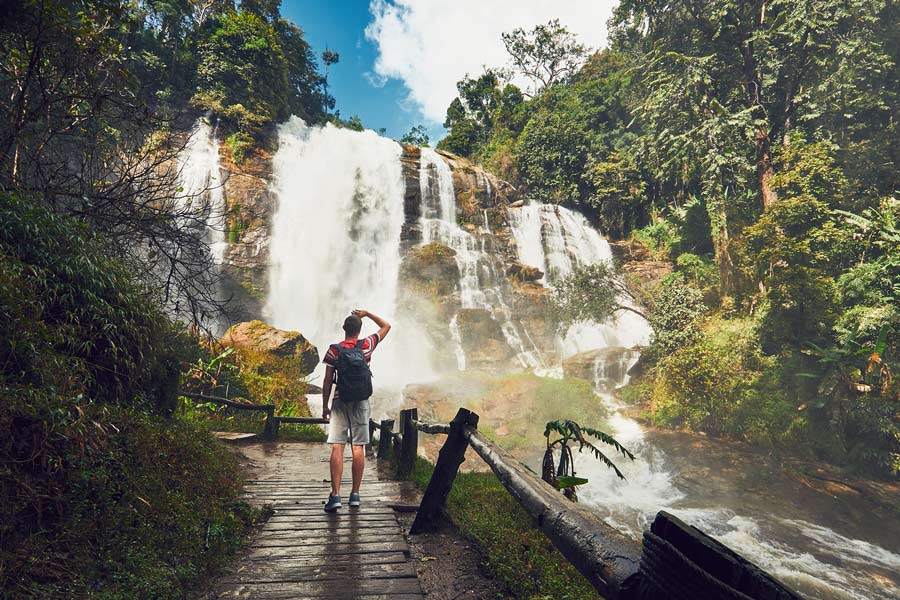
(674, 560)
(273, 421)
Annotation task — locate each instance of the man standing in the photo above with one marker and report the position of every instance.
(348, 367)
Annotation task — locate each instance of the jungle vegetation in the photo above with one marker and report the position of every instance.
(756, 147)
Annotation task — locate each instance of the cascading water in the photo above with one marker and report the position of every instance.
(811, 558)
(557, 240)
(335, 244)
(480, 285)
(202, 193)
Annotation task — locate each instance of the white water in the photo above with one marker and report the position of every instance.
(202, 194)
(335, 244)
(480, 285)
(556, 240)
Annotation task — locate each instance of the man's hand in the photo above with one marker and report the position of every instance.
(383, 325)
(362, 314)
(326, 413)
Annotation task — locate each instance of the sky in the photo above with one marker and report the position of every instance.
(400, 59)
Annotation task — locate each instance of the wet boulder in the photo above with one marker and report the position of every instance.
(271, 349)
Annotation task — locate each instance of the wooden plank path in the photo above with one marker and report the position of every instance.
(303, 553)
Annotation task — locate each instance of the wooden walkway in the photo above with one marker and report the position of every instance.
(303, 553)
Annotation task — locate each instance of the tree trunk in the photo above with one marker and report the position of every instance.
(764, 169)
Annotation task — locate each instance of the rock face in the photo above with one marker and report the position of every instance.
(483, 340)
(606, 367)
(524, 272)
(250, 208)
(431, 269)
(272, 346)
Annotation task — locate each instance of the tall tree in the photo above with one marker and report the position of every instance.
(726, 80)
(546, 54)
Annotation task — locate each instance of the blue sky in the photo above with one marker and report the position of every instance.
(405, 72)
(340, 25)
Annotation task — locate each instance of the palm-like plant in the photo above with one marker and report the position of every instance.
(570, 433)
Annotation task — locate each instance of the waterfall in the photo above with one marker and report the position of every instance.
(557, 240)
(811, 558)
(335, 243)
(202, 193)
(480, 283)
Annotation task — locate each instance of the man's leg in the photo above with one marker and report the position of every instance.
(359, 465)
(337, 468)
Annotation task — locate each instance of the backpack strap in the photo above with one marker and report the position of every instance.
(359, 343)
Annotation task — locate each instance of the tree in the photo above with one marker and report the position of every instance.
(722, 83)
(329, 57)
(243, 74)
(417, 136)
(592, 293)
(546, 54)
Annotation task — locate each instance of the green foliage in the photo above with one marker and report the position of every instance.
(660, 237)
(571, 433)
(78, 320)
(676, 317)
(104, 502)
(516, 553)
(417, 136)
(242, 72)
(698, 271)
(239, 145)
(591, 293)
(547, 54)
(722, 384)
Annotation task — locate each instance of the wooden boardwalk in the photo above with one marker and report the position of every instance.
(303, 553)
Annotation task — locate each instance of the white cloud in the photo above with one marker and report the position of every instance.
(431, 44)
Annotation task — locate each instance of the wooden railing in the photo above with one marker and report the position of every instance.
(673, 560)
(273, 421)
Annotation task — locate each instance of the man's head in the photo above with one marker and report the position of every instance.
(352, 326)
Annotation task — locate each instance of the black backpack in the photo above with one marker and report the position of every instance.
(354, 379)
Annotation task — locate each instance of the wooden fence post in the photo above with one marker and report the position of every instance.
(385, 439)
(451, 456)
(373, 426)
(409, 443)
(271, 429)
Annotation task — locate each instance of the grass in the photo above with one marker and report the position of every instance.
(514, 551)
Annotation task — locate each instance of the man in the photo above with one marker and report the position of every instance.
(349, 420)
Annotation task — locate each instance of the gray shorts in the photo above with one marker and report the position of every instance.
(345, 418)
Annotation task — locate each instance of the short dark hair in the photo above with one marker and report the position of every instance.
(352, 325)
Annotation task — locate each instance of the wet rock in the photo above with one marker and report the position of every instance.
(483, 340)
(273, 348)
(431, 268)
(250, 206)
(607, 368)
(524, 272)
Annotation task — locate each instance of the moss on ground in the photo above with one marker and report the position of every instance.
(514, 551)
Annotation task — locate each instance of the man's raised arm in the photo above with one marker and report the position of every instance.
(384, 326)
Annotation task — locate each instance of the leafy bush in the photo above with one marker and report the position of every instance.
(101, 495)
(675, 317)
(105, 502)
(79, 319)
(722, 384)
(698, 270)
(659, 237)
(239, 145)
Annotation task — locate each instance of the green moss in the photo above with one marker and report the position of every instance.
(514, 551)
(240, 146)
